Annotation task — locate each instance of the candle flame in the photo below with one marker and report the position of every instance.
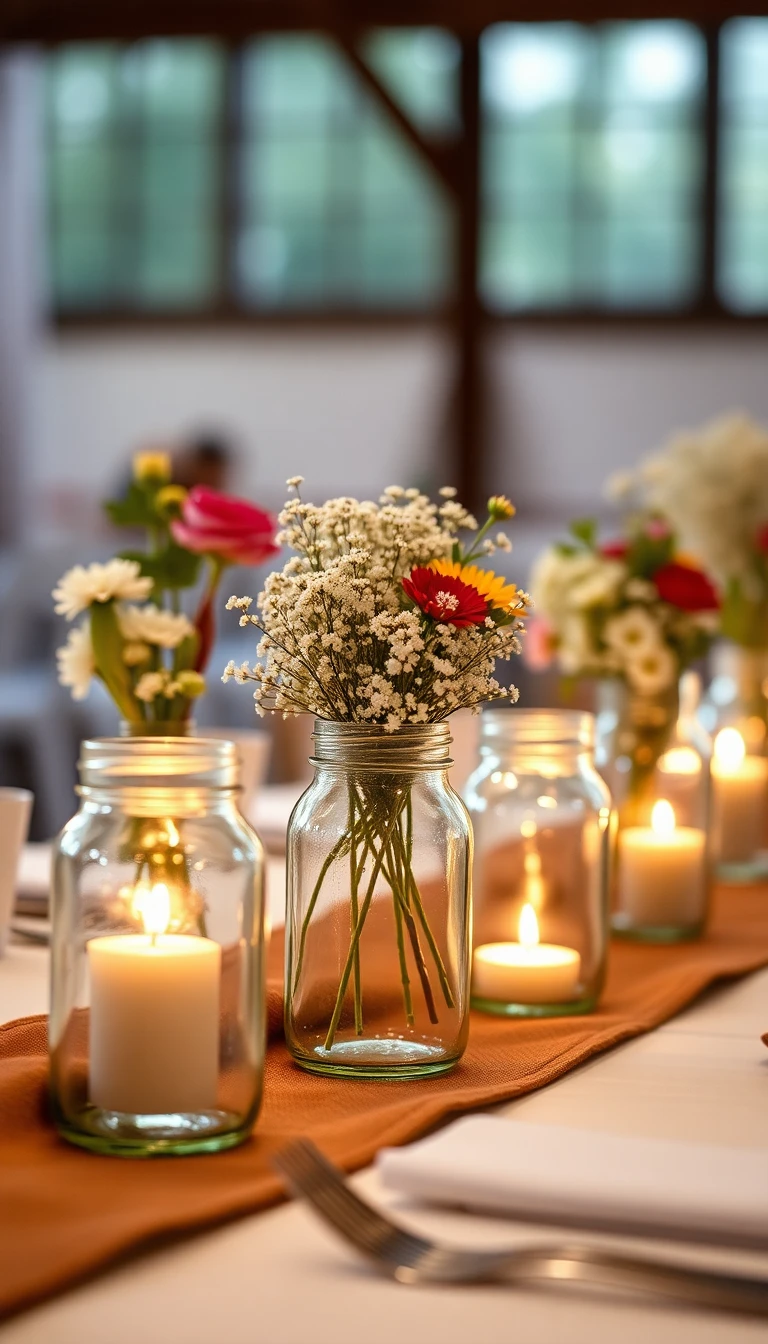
(153, 906)
(680, 761)
(729, 748)
(663, 818)
(528, 926)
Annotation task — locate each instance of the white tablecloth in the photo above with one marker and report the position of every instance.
(280, 1278)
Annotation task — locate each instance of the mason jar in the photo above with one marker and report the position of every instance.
(158, 1011)
(542, 820)
(655, 759)
(378, 917)
(734, 712)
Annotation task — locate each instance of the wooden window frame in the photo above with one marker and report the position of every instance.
(706, 311)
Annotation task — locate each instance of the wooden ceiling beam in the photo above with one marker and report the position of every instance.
(53, 21)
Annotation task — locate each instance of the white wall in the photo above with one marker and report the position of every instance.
(356, 412)
(352, 413)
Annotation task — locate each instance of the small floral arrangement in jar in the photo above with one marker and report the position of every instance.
(381, 624)
(711, 483)
(634, 608)
(150, 655)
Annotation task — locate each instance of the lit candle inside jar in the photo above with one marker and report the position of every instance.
(739, 798)
(527, 971)
(662, 872)
(154, 1021)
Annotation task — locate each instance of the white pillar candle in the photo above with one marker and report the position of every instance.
(739, 796)
(527, 971)
(154, 1022)
(662, 872)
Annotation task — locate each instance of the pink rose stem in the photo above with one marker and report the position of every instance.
(205, 620)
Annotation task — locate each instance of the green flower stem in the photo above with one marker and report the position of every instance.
(405, 978)
(401, 907)
(364, 908)
(331, 857)
(420, 911)
(354, 911)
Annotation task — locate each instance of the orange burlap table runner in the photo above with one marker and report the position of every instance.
(65, 1214)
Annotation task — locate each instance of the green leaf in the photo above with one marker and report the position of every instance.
(585, 530)
(173, 567)
(565, 548)
(108, 655)
(456, 553)
(186, 652)
(134, 509)
(741, 620)
(648, 554)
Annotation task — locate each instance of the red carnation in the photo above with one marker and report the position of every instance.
(762, 539)
(446, 598)
(685, 587)
(615, 550)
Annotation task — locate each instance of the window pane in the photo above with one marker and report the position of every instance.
(133, 173)
(337, 208)
(592, 165)
(742, 263)
(420, 67)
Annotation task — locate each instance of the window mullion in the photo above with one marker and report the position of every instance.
(708, 297)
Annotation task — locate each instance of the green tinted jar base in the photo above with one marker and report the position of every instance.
(756, 870)
(116, 1135)
(499, 1008)
(657, 934)
(377, 1059)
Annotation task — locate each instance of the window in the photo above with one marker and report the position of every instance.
(743, 203)
(336, 207)
(181, 182)
(189, 178)
(593, 164)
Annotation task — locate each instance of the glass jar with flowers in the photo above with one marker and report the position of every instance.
(711, 483)
(634, 613)
(151, 657)
(380, 625)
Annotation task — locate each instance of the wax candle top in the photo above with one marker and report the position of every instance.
(663, 818)
(729, 751)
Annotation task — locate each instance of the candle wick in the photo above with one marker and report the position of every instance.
(153, 936)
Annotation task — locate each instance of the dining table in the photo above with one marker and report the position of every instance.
(280, 1276)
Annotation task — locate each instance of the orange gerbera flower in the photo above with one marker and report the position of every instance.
(494, 588)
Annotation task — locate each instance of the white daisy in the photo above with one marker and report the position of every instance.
(652, 670)
(80, 587)
(151, 625)
(632, 631)
(76, 663)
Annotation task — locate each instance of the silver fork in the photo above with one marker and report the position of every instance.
(411, 1259)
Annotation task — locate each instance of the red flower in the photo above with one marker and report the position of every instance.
(762, 539)
(685, 587)
(235, 531)
(446, 598)
(615, 550)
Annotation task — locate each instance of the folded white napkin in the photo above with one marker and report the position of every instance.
(550, 1174)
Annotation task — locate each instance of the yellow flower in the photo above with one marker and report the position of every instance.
(500, 594)
(151, 467)
(170, 495)
(500, 507)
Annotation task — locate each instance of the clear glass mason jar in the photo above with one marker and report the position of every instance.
(655, 759)
(158, 1003)
(542, 818)
(378, 917)
(735, 713)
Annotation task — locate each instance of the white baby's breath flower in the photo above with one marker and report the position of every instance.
(151, 625)
(448, 491)
(76, 663)
(294, 482)
(117, 579)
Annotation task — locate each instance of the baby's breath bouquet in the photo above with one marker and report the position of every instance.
(383, 618)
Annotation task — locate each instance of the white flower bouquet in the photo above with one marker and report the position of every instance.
(632, 608)
(381, 618)
(712, 485)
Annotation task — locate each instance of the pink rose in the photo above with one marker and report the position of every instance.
(231, 529)
(540, 644)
